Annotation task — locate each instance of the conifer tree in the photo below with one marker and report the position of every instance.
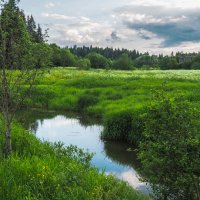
(15, 54)
(32, 28)
(40, 37)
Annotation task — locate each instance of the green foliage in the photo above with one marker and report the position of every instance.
(98, 61)
(168, 63)
(40, 55)
(125, 126)
(118, 125)
(109, 94)
(50, 171)
(41, 97)
(14, 39)
(196, 62)
(107, 52)
(123, 63)
(170, 149)
(195, 65)
(62, 56)
(197, 58)
(146, 61)
(85, 101)
(83, 63)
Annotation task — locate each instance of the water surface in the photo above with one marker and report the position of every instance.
(113, 157)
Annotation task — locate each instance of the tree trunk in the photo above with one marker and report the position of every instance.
(7, 149)
(198, 190)
(7, 141)
(196, 183)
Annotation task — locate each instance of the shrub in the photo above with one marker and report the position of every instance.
(124, 125)
(124, 63)
(170, 150)
(98, 61)
(83, 63)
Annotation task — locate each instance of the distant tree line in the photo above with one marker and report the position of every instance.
(130, 59)
(122, 59)
(107, 52)
(52, 55)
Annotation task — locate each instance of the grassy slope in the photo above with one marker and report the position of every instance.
(50, 172)
(118, 97)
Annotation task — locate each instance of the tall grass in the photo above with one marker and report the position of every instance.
(40, 170)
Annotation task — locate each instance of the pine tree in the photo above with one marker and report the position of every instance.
(31, 28)
(40, 37)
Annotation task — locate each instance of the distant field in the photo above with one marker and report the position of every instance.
(111, 91)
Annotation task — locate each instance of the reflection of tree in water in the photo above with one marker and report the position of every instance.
(124, 154)
(86, 120)
(121, 153)
(34, 127)
(30, 119)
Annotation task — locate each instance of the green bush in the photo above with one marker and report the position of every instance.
(123, 63)
(98, 61)
(83, 63)
(170, 150)
(124, 125)
(117, 126)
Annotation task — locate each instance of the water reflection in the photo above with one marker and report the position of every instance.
(115, 158)
(117, 150)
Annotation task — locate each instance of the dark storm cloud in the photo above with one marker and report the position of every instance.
(172, 33)
(173, 26)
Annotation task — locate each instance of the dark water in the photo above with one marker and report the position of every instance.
(113, 157)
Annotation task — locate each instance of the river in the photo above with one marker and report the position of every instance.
(70, 128)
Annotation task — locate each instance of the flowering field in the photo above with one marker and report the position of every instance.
(157, 74)
(100, 92)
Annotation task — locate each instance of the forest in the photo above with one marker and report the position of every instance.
(150, 103)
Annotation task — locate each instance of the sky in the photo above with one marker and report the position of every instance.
(156, 26)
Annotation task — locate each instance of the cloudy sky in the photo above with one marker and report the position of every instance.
(157, 26)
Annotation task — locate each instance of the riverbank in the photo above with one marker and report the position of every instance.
(117, 158)
(40, 170)
(118, 98)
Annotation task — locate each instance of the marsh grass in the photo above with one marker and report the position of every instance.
(113, 95)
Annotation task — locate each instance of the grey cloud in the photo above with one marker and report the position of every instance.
(144, 35)
(173, 34)
(174, 26)
(114, 36)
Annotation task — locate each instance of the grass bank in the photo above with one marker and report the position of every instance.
(119, 98)
(40, 170)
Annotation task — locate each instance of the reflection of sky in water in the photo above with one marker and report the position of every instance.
(69, 131)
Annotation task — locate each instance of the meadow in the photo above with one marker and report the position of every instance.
(118, 98)
(40, 170)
